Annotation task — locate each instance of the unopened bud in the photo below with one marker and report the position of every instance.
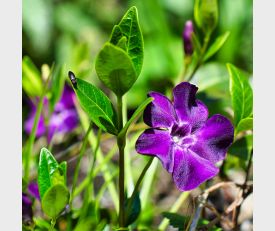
(187, 37)
(206, 14)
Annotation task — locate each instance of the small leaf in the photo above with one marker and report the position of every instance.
(115, 69)
(97, 105)
(57, 85)
(129, 27)
(122, 43)
(242, 147)
(46, 168)
(245, 124)
(133, 210)
(55, 200)
(176, 220)
(217, 44)
(31, 78)
(241, 94)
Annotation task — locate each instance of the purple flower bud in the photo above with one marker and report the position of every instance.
(187, 38)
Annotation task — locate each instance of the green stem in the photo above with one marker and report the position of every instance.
(53, 221)
(29, 146)
(89, 188)
(77, 168)
(121, 145)
(200, 59)
(139, 182)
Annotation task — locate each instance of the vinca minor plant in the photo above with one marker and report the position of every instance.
(190, 143)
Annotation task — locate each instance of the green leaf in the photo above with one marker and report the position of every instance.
(241, 94)
(135, 115)
(97, 105)
(245, 124)
(46, 168)
(242, 147)
(217, 44)
(133, 210)
(50, 172)
(31, 78)
(115, 69)
(176, 220)
(57, 85)
(55, 200)
(129, 27)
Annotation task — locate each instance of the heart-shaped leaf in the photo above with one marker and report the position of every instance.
(97, 105)
(55, 200)
(115, 69)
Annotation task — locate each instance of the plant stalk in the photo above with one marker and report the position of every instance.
(121, 140)
(77, 168)
(200, 59)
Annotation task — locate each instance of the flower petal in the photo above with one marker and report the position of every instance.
(214, 138)
(160, 112)
(157, 143)
(62, 122)
(187, 108)
(190, 170)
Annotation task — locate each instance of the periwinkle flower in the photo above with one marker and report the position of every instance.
(63, 119)
(187, 38)
(187, 143)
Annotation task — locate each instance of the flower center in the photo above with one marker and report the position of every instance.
(181, 135)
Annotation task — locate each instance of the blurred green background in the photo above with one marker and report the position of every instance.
(72, 32)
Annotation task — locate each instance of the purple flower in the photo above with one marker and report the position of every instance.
(187, 37)
(27, 213)
(33, 190)
(63, 119)
(186, 142)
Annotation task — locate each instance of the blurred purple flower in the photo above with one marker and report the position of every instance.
(63, 119)
(27, 213)
(186, 142)
(187, 38)
(33, 190)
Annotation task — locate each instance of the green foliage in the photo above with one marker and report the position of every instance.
(245, 124)
(180, 222)
(176, 220)
(129, 28)
(119, 62)
(115, 69)
(97, 105)
(52, 184)
(55, 199)
(57, 85)
(241, 96)
(132, 210)
(242, 147)
(216, 45)
(31, 78)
